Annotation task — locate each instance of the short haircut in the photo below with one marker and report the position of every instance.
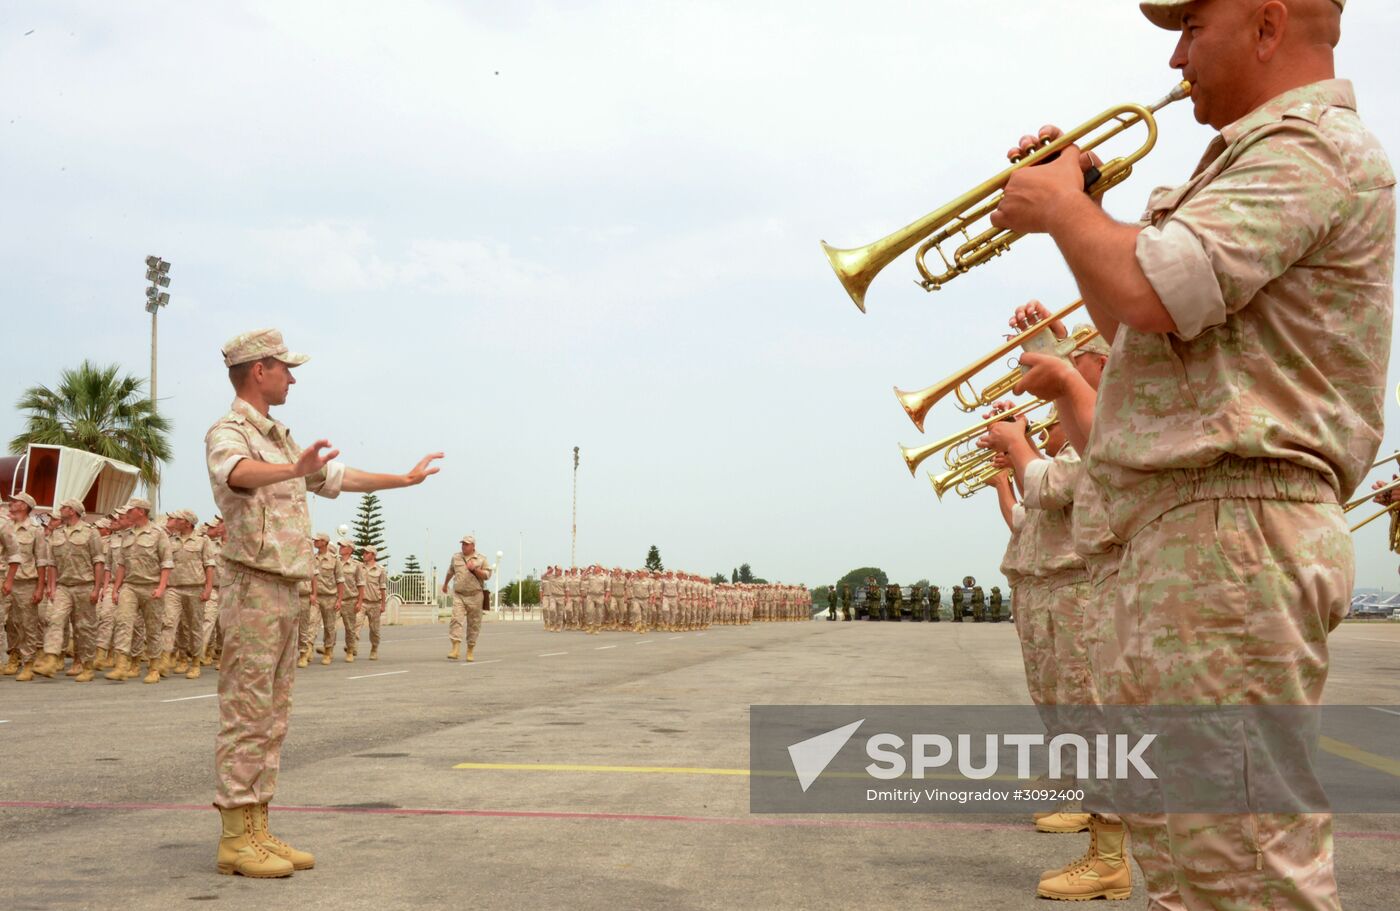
(238, 373)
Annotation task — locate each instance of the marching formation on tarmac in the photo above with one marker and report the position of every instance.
(594, 599)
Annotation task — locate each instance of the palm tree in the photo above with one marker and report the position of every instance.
(98, 410)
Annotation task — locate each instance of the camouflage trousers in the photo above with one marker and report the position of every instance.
(24, 618)
(351, 625)
(73, 601)
(185, 613)
(466, 617)
(1033, 629)
(1230, 601)
(209, 623)
(106, 619)
(373, 612)
(592, 611)
(324, 604)
(258, 620)
(136, 601)
(307, 622)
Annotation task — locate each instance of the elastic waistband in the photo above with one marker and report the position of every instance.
(242, 569)
(1060, 579)
(1230, 478)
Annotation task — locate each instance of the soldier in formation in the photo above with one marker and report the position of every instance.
(466, 576)
(595, 599)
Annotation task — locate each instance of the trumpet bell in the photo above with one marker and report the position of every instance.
(854, 269)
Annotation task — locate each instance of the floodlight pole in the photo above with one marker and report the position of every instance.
(157, 271)
(573, 541)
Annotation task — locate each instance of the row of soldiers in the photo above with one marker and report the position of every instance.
(126, 591)
(112, 594)
(924, 604)
(594, 599)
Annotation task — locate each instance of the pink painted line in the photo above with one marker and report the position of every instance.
(760, 821)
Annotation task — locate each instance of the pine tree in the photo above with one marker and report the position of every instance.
(368, 529)
(653, 563)
(410, 565)
(734, 576)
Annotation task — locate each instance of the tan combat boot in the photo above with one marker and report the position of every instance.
(165, 663)
(349, 656)
(1063, 823)
(325, 656)
(1103, 872)
(303, 658)
(77, 668)
(193, 672)
(99, 662)
(48, 664)
(374, 653)
(241, 853)
(300, 860)
(182, 664)
(471, 649)
(152, 671)
(26, 672)
(12, 666)
(118, 671)
(456, 651)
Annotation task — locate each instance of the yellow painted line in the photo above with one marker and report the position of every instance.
(687, 770)
(1361, 757)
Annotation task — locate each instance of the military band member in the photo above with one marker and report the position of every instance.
(935, 605)
(894, 602)
(979, 604)
(1221, 428)
(957, 604)
(994, 605)
(469, 569)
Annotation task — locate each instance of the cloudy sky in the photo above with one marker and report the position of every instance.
(504, 230)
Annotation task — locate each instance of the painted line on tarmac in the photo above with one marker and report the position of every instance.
(487, 661)
(601, 647)
(384, 674)
(6, 721)
(644, 642)
(1359, 756)
(552, 654)
(188, 698)
(548, 815)
(1371, 707)
(668, 638)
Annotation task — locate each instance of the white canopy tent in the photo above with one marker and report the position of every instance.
(52, 474)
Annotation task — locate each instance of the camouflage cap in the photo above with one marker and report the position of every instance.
(258, 344)
(369, 552)
(104, 522)
(1096, 345)
(322, 536)
(25, 498)
(74, 504)
(139, 503)
(468, 539)
(1167, 13)
(186, 514)
(122, 509)
(344, 543)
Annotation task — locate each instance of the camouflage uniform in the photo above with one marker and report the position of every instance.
(194, 556)
(31, 557)
(266, 555)
(979, 604)
(894, 602)
(350, 591)
(467, 592)
(845, 601)
(145, 553)
(77, 551)
(323, 570)
(1243, 429)
(958, 604)
(935, 604)
(376, 583)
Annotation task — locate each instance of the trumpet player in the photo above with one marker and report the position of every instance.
(1251, 316)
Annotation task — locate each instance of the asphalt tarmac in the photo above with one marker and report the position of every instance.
(558, 770)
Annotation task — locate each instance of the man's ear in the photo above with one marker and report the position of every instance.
(1271, 25)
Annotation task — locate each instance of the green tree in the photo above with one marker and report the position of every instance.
(718, 579)
(856, 577)
(653, 563)
(368, 528)
(734, 576)
(410, 565)
(746, 574)
(529, 589)
(98, 410)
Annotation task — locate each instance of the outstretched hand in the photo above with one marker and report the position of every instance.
(313, 460)
(423, 469)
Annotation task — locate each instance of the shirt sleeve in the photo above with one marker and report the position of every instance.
(1261, 215)
(95, 550)
(328, 481)
(226, 447)
(1050, 483)
(210, 557)
(163, 551)
(42, 555)
(1018, 517)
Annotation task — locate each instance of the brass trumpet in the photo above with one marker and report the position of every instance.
(979, 482)
(914, 457)
(1363, 500)
(857, 267)
(918, 403)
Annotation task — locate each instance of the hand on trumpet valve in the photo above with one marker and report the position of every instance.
(1002, 435)
(1034, 197)
(1033, 314)
(1044, 376)
(1389, 496)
